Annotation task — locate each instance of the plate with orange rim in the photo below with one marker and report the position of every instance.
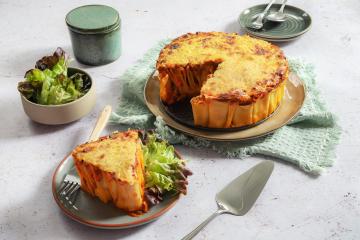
(91, 211)
(290, 106)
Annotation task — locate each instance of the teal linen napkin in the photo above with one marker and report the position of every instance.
(307, 141)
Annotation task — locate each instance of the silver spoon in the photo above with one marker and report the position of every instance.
(239, 196)
(279, 16)
(258, 23)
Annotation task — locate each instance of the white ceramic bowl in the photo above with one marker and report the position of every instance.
(64, 113)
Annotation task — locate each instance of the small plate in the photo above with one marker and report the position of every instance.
(276, 39)
(297, 23)
(292, 102)
(92, 212)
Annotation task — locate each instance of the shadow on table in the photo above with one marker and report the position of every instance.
(80, 231)
(234, 27)
(22, 126)
(40, 218)
(18, 124)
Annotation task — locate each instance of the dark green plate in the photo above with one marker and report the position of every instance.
(297, 23)
(276, 39)
(92, 212)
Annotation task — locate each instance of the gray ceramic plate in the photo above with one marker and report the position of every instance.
(276, 39)
(298, 22)
(92, 212)
(290, 106)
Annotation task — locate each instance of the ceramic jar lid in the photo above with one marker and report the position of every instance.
(93, 19)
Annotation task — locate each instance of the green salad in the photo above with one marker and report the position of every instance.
(164, 172)
(49, 84)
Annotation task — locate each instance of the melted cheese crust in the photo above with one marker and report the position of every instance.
(112, 168)
(116, 154)
(246, 67)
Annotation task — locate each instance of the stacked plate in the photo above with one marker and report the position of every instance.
(297, 23)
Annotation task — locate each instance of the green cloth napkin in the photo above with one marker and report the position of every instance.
(308, 141)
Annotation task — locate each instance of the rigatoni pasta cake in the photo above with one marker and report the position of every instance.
(112, 168)
(232, 80)
(133, 169)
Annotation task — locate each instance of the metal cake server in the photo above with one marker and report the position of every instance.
(239, 196)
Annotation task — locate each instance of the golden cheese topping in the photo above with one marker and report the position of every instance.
(246, 67)
(115, 154)
(238, 75)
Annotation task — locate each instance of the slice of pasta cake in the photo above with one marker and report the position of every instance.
(112, 168)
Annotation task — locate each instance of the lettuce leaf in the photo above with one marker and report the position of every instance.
(164, 172)
(48, 83)
(59, 58)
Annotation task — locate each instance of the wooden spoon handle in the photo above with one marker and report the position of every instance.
(101, 123)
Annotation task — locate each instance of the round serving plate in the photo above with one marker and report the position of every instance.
(297, 23)
(92, 212)
(292, 102)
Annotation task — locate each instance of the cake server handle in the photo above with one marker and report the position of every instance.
(194, 232)
(101, 123)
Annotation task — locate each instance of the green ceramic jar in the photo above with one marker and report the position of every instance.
(95, 34)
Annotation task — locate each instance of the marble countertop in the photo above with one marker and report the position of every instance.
(293, 204)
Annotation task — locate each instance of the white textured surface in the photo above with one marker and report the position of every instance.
(293, 204)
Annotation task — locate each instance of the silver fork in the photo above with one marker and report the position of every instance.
(258, 23)
(69, 190)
